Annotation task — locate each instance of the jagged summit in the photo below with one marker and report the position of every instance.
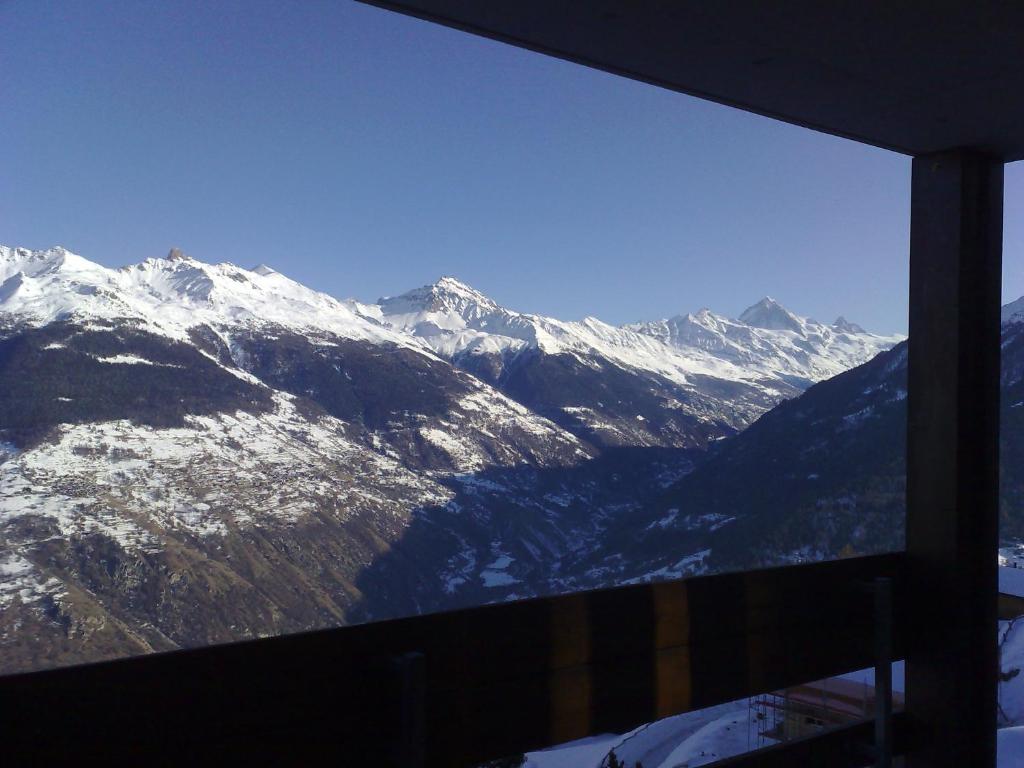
(447, 294)
(843, 325)
(769, 338)
(450, 283)
(454, 290)
(169, 296)
(16, 253)
(31, 265)
(771, 315)
(12, 256)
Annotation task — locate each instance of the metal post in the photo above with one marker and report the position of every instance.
(883, 672)
(953, 459)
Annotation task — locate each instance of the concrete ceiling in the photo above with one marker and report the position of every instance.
(911, 76)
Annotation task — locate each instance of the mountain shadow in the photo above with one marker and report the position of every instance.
(512, 533)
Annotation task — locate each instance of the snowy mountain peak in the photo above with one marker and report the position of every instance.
(36, 264)
(771, 315)
(453, 284)
(263, 270)
(769, 338)
(447, 295)
(10, 253)
(769, 348)
(845, 326)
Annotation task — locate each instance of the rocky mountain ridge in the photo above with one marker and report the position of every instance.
(194, 453)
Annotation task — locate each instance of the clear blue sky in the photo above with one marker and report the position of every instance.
(365, 153)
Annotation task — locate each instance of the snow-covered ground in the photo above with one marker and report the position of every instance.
(1011, 684)
(137, 485)
(1010, 746)
(703, 737)
(1010, 742)
(693, 739)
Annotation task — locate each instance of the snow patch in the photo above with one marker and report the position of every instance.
(134, 360)
(21, 580)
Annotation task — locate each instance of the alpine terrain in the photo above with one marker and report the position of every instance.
(195, 453)
(821, 475)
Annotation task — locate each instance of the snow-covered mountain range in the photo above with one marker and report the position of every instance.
(770, 339)
(768, 346)
(589, 375)
(192, 453)
(170, 296)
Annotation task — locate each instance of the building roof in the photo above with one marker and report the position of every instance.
(913, 77)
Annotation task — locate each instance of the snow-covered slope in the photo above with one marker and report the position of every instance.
(193, 453)
(455, 319)
(767, 341)
(683, 741)
(171, 295)
(770, 339)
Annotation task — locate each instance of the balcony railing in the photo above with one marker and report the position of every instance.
(458, 688)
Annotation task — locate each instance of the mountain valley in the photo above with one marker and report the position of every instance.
(195, 453)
